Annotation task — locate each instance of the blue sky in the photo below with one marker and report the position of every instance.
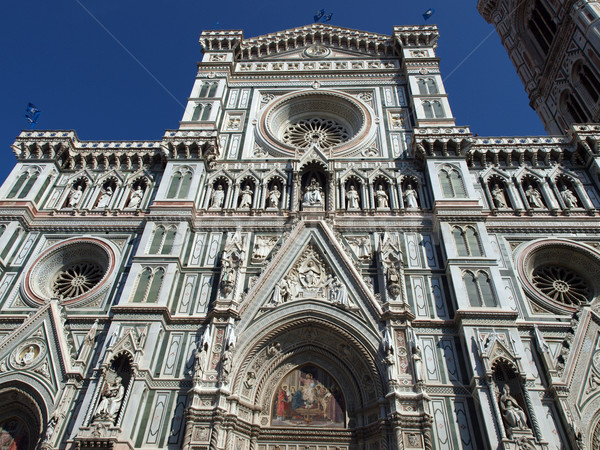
(54, 54)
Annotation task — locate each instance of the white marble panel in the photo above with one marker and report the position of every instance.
(461, 418)
(233, 97)
(206, 284)
(420, 296)
(449, 353)
(438, 298)
(413, 248)
(212, 250)
(244, 98)
(172, 354)
(429, 250)
(441, 425)
(187, 292)
(431, 360)
(198, 249)
(158, 416)
(234, 146)
(25, 249)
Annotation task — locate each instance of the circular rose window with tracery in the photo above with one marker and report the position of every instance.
(325, 133)
(330, 120)
(561, 285)
(559, 275)
(76, 271)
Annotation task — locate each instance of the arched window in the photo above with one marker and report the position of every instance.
(162, 241)
(197, 112)
(180, 184)
(438, 110)
(428, 109)
(422, 86)
(541, 26)
(213, 90)
(451, 182)
(149, 285)
(479, 289)
(206, 112)
(467, 241)
(24, 184)
(588, 80)
(208, 90)
(431, 86)
(473, 245)
(203, 90)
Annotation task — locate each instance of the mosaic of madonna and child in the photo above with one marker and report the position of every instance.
(308, 396)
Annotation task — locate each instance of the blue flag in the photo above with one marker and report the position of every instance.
(427, 14)
(32, 113)
(328, 17)
(319, 14)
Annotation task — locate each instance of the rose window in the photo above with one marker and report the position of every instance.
(77, 271)
(561, 285)
(325, 133)
(77, 279)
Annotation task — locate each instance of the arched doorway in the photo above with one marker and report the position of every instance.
(21, 420)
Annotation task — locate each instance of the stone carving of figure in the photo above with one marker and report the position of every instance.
(534, 197)
(105, 197)
(226, 363)
(511, 411)
(29, 355)
(418, 362)
(136, 197)
(381, 197)
(75, 196)
(218, 197)
(280, 292)
(313, 194)
(274, 196)
(353, 198)
(199, 362)
(51, 427)
(246, 201)
(410, 197)
(340, 293)
(498, 196)
(227, 277)
(363, 246)
(110, 400)
(568, 197)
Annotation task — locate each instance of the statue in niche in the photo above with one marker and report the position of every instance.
(110, 399)
(498, 196)
(218, 197)
(280, 292)
(105, 198)
(568, 197)
(75, 196)
(199, 361)
(410, 197)
(381, 197)
(231, 260)
(390, 255)
(313, 195)
(353, 198)
(246, 201)
(274, 196)
(262, 247)
(136, 197)
(417, 355)
(534, 197)
(361, 246)
(512, 413)
(226, 363)
(28, 355)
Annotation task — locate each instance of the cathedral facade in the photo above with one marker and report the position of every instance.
(319, 258)
(555, 47)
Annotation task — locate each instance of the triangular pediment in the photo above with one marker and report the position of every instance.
(40, 350)
(311, 266)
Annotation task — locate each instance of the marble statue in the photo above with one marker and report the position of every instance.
(246, 197)
(226, 363)
(74, 196)
(105, 198)
(381, 197)
(28, 356)
(274, 196)
(218, 197)
(410, 197)
(353, 198)
(568, 197)
(110, 399)
(498, 196)
(136, 197)
(512, 413)
(534, 197)
(313, 195)
(280, 292)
